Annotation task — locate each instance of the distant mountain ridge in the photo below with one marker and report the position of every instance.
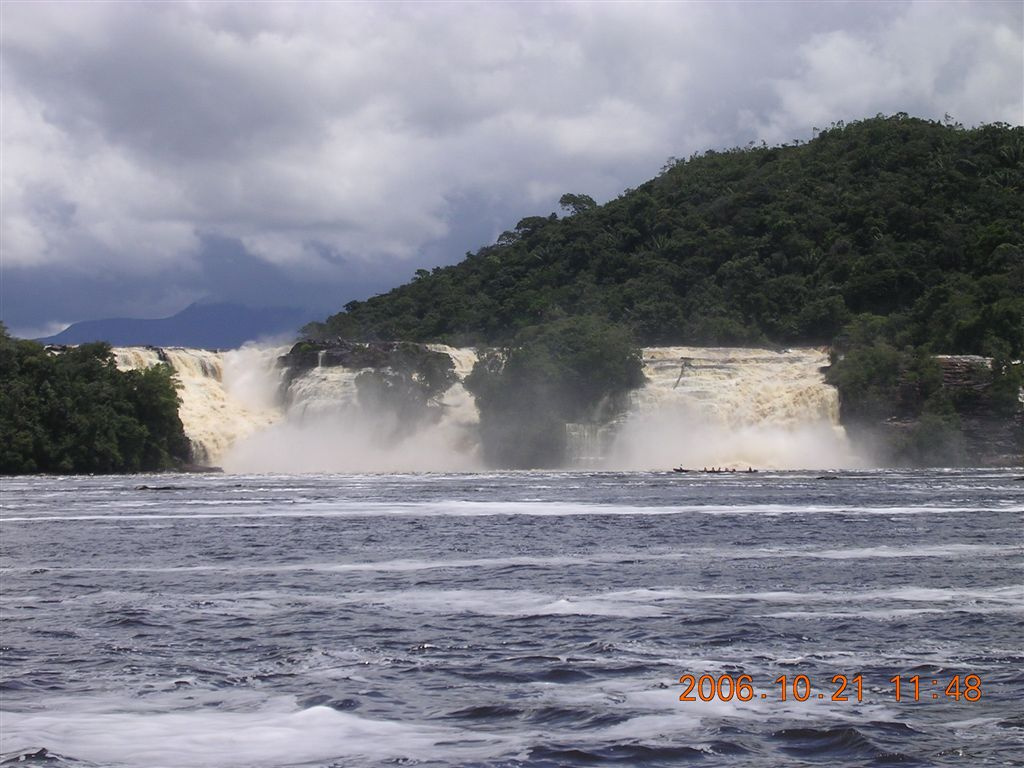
(205, 326)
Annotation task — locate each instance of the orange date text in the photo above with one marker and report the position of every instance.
(839, 688)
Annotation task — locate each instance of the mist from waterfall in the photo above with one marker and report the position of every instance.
(325, 428)
(701, 407)
(734, 408)
(242, 413)
(217, 390)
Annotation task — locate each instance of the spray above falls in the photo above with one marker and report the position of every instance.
(217, 390)
(732, 407)
(389, 407)
(268, 409)
(262, 409)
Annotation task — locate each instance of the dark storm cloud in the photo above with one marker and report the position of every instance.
(224, 272)
(280, 153)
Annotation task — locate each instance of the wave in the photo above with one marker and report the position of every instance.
(272, 736)
(293, 507)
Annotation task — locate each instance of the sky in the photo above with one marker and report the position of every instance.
(305, 154)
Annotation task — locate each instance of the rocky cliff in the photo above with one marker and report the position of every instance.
(985, 429)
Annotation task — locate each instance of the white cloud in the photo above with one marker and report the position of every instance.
(930, 59)
(71, 197)
(38, 332)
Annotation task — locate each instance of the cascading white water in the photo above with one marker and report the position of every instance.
(238, 415)
(213, 419)
(460, 404)
(700, 407)
(732, 407)
(326, 429)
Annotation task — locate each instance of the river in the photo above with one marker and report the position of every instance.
(514, 619)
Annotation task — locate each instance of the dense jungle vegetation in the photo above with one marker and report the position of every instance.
(890, 239)
(908, 220)
(75, 412)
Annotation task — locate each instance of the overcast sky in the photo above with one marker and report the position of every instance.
(305, 154)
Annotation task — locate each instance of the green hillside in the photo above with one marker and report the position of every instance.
(909, 227)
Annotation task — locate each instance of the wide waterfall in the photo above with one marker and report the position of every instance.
(732, 407)
(700, 407)
(325, 428)
(242, 413)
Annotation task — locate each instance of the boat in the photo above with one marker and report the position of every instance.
(728, 471)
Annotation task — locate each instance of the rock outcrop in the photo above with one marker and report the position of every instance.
(403, 378)
(418, 361)
(993, 434)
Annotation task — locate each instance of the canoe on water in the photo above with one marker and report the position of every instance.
(717, 471)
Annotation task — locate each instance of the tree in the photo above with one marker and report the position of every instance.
(552, 374)
(74, 412)
(574, 204)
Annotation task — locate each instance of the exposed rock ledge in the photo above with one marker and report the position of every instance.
(397, 355)
(393, 371)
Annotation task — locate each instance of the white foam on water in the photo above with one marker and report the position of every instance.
(662, 715)
(382, 566)
(755, 709)
(650, 730)
(896, 613)
(214, 738)
(884, 552)
(558, 561)
(1012, 596)
(330, 508)
(485, 602)
(659, 602)
(499, 602)
(401, 566)
(633, 603)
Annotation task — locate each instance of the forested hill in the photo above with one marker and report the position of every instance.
(71, 411)
(909, 228)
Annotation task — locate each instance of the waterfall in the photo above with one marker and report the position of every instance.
(326, 428)
(213, 419)
(459, 403)
(740, 387)
(732, 407)
(587, 444)
(241, 412)
(700, 407)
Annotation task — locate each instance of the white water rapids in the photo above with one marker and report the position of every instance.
(700, 407)
(735, 408)
(225, 396)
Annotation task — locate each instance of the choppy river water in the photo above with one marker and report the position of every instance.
(514, 619)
